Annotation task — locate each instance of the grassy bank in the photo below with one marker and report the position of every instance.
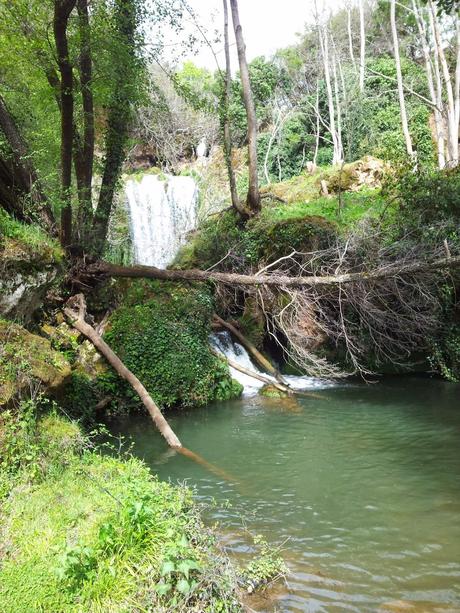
(86, 532)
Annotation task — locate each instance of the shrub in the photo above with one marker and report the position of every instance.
(164, 342)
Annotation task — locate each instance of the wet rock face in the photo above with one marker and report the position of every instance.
(28, 361)
(22, 293)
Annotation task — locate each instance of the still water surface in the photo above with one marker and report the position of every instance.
(361, 484)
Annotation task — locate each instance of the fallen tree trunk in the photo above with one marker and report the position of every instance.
(105, 269)
(75, 311)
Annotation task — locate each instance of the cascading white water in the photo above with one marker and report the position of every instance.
(162, 212)
(224, 344)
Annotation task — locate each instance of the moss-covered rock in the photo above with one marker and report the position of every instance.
(271, 391)
(26, 358)
(30, 261)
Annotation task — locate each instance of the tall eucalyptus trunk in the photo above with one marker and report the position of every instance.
(253, 198)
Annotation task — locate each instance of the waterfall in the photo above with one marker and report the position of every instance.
(162, 212)
(224, 344)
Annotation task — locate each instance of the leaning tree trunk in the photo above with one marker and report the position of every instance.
(435, 98)
(62, 10)
(402, 102)
(253, 199)
(452, 90)
(75, 311)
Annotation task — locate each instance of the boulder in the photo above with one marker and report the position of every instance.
(27, 361)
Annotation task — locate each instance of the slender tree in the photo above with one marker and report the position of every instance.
(451, 85)
(362, 57)
(402, 102)
(253, 198)
(227, 92)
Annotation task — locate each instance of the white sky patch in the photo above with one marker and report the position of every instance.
(267, 26)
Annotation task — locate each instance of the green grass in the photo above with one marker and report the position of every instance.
(82, 531)
(350, 208)
(107, 536)
(18, 240)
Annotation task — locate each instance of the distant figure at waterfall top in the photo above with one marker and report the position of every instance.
(162, 212)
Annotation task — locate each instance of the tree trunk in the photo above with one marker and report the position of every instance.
(402, 102)
(435, 98)
(350, 37)
(253, 199)
(362, 58)
(25, 179)
(228, 149)
(106, 269)
(324, 45)
(85, 150)
(75, 311)
(117, 126)
(62, 10)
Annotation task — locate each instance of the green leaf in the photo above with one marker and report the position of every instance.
(168, 567)
(163, 588)
(183, 586)
(186, 566)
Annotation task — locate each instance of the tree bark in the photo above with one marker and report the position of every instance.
(25, 178)
(435, 97)
(75, 312)
(106, 269)
(253, 199)
(324, 45)
(452, 90)
(228, 149)
(62, 10)
(85, 152)
(402, 102)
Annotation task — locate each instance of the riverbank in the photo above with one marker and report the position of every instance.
(83, 531)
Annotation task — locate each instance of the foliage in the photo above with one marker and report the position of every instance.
(306, 222)
(18, 239)
(161, 334)
(267, 566)
(429, 199)
(32, 446)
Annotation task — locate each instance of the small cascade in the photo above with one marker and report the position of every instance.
(224, 344)
(162, 212)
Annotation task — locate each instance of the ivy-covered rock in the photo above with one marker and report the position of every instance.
(161, 334)
(27, 360)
